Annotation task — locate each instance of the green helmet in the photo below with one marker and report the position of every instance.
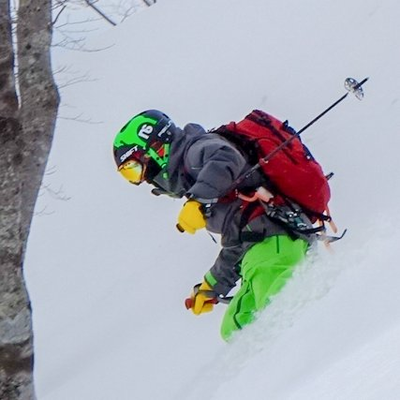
(145, 138)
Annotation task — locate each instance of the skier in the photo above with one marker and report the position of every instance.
(202, 167)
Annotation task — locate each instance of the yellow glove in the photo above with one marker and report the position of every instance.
(202, 299)
(191, 217)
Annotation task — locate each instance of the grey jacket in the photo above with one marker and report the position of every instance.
(204, 166)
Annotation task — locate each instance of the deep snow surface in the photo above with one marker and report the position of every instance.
(108, 272)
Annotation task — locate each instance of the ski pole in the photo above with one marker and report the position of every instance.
(350, 84)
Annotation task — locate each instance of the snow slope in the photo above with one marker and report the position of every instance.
(108, 272)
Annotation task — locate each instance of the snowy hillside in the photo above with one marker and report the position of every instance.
(108, 272)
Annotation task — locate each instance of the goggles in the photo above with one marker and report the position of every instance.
(132, 171)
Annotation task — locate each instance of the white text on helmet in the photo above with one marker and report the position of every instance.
(128, 153)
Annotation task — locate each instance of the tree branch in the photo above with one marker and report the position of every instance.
(90, 4)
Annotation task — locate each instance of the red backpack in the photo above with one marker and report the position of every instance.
(292, 171)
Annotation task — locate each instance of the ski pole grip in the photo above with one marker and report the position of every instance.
(189, 302)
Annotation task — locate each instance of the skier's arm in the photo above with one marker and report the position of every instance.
(224, 274)
(214, 164)
(218, 281)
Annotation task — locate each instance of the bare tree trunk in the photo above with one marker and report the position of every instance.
(39, 98)
(27, 122)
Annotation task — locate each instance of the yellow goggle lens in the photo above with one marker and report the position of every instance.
(132, 171)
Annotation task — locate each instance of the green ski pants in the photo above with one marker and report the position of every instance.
(265, 269)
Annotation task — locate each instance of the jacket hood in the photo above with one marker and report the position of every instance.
(172, 179)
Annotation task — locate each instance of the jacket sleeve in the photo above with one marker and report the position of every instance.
(224, 274)
(214, 164)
